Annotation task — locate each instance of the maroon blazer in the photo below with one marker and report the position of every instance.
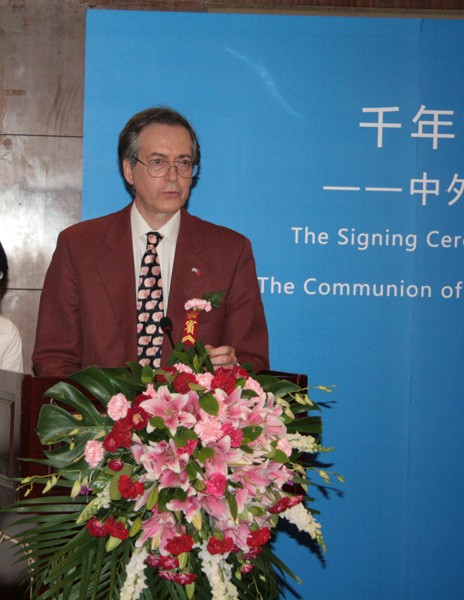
(88, 315)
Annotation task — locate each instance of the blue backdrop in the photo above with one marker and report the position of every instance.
(336, 146)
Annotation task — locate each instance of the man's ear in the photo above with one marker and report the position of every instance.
(127, 170)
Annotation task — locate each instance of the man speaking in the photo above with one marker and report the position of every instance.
(112, 279)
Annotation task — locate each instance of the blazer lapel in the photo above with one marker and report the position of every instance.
(116, 268)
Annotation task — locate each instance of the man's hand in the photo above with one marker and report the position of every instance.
(223, 356)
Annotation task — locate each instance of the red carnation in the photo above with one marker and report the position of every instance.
(252, 553)
(188, 448)
(129, 488)
(165, 562)
(259, 537)
(137, 418)
(115, 464)
(181, 382)
(236, 435)
(181, 578)
(140, 398)
(216, 546)
(222, 371)
(111, 445)
(179, 544)
(119, 436)
(96, 528)
(116, 528)
(171, 370)
(280, 506)
(237, 371)
(223, 381)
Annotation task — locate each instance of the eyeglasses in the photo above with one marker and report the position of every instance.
(159, 167)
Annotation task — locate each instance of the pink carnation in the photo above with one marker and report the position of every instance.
(209, 430)
(198, 304)
(246, 568)
(236, 435)
(93, 453)
(183, 368)
(216, 485)
(283, 445)
(204, 379)
(252, 384)
(118, 407)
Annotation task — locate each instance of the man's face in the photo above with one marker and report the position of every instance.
(158, 198)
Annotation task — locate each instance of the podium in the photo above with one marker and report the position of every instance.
(21, 398)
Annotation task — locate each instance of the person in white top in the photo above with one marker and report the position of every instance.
(11, 348)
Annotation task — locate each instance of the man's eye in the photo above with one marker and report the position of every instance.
(157, 162)
(185, 163)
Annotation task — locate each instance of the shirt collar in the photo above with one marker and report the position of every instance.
(140, 227)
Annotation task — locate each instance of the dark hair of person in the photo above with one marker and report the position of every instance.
(3, 266)
(128, 146)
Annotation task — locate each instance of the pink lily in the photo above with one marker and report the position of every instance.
(161, 527)
(169, 407)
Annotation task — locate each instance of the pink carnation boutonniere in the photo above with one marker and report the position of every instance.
(198, 304)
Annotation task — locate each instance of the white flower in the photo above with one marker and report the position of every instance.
(303, 443)
(135, 579)
(104, 497)
(219, 574)
(303, 519)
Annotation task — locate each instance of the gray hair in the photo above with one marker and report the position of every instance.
(128, 146)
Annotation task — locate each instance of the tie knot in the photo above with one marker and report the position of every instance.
(153, 238)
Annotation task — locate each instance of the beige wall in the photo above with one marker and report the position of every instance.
(41, 117)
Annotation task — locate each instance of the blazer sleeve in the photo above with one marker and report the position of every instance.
(245, 327)
(58, 346)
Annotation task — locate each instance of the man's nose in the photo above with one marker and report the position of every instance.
(172, 174)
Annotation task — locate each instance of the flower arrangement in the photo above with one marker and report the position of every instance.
(176, 481)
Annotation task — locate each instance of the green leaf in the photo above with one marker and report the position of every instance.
(278, 387)
(205, 453)
(231, 500)
(278, 456)
(251, 433)
(94, 381)
(147, 374)
(158, 423)
(214, 298)
(209, 404)
(305, 425)
(115, 494)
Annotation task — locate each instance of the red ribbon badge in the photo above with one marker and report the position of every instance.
(189, 335)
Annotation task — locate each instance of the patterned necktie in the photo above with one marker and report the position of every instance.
(150, 305)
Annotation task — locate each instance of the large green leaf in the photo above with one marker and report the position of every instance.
(96, 382)
(278, 387)
(306, 425)
(68, 394)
